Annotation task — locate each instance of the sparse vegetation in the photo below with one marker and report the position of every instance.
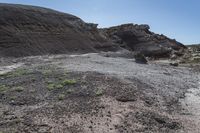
(3, 88)
(47, 72)
(19, 89)
(68, 82)
(60, 84)
(16, 73)
(13, 97)
(99, 92)
(69, 91)
(61, 97)
(53, 86)
(33, 79)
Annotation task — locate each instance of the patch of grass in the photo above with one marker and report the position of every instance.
(61, 78)
(16, 73)
(48, 81)
(61, 97)
(69, 91)
(50, 86)
(3, 88)
(19, 72)
(33, 79)
(99, 92)
(53, 86)
(60, 84)
(19, 89)
(46, 72)
(68, 82)
(13, 98)
(2, 75)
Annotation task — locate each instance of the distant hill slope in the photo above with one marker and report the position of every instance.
(30, 30)
(194, 47)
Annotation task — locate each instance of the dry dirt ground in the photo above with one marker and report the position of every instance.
(97, 93)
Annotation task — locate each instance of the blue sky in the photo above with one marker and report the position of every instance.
(179, 19)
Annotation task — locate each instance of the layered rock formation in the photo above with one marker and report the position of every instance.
(140, 39)
(29, 30)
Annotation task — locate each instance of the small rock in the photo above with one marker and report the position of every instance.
(174, 64)
(140, 58)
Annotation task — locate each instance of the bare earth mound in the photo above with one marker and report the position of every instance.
(29, 30)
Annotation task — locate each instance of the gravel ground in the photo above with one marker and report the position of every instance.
(168, 96)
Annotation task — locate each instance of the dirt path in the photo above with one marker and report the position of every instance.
(8, 68)
(191, 104)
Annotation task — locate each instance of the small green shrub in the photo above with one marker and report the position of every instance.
(3, 88)
(33, 79)
(99, 92)
(60, 84)
(68, 82)
(51, 86)
(19, 89)
(69, 91)
(13, 98)
(61, 97)
(46, 72)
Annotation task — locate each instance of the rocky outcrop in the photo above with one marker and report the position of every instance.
(192, 56)
(29, 30)
(139, 38)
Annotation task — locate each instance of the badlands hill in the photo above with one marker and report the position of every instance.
(30, 30)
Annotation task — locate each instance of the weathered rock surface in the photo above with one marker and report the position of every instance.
(192, 55)
(139, 38)
(29, 30)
